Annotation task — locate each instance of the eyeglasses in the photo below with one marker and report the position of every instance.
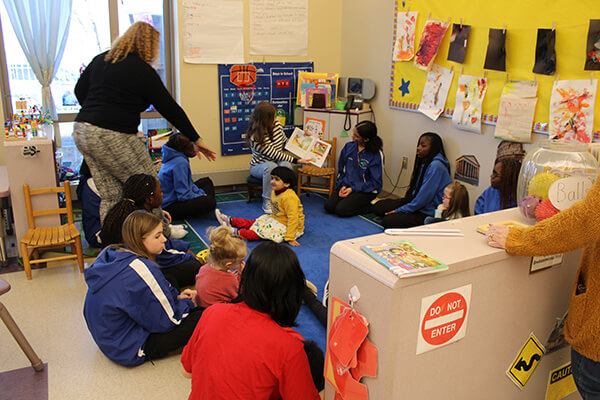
(445, 196)
(495, 175)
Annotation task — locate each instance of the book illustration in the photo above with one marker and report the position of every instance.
(485, 227)
(304, 145)
(403, 258)
(315, 127)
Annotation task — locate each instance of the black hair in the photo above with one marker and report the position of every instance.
(136, 190)
(285, 174)
(368, 130)
(179, 142)
(511, 167)
(421, 164)
(272, 282)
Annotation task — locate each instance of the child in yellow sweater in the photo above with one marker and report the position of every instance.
(285, 223)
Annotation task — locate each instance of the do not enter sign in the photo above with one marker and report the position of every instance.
(443, 318)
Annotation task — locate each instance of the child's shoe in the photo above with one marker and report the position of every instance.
(223, 219)
(177, 232)
(267, 206)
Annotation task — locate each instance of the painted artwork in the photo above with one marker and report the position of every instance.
(495, 57)
(572, 110)
(435, 92)
(404, 47)
(431, 37)
(458, 42)
(545, 56)
(592, 56)
(469, 97)
(516, 111)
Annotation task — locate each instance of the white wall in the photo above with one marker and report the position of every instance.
(367, 31)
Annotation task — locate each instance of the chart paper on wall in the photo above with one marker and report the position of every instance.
(279, 27)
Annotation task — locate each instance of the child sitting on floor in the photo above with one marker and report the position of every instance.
(502, 192)
(455, 204)
(218, 280)
(285, 223)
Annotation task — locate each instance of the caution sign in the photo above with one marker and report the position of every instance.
(443, 318)
(560, 383)
(526, 361)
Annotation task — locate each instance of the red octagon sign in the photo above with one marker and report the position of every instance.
(443, 318)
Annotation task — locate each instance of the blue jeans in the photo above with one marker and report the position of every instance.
(263, 171)
(586, 374)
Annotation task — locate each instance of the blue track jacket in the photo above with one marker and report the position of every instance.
(175, 252)
(175, 177)
(128, 298)
(431, 192)
(360, 171)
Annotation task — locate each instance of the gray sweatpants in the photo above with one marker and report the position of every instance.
(112, 157)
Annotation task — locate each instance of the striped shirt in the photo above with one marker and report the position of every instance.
(271, 150)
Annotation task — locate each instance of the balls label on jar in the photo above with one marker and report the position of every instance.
(565, 192)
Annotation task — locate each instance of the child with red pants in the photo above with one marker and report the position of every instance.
(285, 223)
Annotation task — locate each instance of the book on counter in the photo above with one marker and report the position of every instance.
(403, 259)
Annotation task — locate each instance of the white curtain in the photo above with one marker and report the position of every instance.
(41, 27)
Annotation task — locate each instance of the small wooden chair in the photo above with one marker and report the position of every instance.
(44, 238)
(254, 186)
(327, 173)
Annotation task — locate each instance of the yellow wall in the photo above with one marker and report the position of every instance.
(198, 83)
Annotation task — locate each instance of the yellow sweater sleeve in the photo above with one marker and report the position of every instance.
(568, 230)
(290, 206)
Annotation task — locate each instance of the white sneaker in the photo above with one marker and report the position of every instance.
(223, 219)
(267, 206)
(177, 233)
(326, 293)
(182, 226)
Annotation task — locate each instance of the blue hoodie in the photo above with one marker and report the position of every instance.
(128, 298)
(489, 201)
(175, 177)
(430, 194)
(175, 252)
(361, 171)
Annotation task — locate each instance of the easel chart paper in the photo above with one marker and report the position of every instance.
(279, 27)
(213, 32)
(435, 93)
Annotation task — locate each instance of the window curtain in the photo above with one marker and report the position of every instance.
(42, 27)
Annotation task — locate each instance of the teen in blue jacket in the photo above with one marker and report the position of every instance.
(131, 310)
(360, 173)
(183, 198)
(502, 192)
(431, 174)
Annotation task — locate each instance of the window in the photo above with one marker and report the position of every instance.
(94, 25)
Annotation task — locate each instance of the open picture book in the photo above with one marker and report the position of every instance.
(403, 258)
(304, 145)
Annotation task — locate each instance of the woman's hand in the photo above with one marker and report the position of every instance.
(294, 243)
(187, 294)
(185, 374)
(441, 207)
(201, 148)
(390, 212)
(497, 235)
(305, 161)
(344, 191)
(167, 216)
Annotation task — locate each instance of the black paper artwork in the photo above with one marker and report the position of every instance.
(496, 52)
(592, 56)
(545, 57)
(458, 42)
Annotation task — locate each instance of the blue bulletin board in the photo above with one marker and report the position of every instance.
(272, 82)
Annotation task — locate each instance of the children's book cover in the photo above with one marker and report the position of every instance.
(403, 258)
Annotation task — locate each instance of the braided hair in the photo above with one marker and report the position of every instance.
(137, 189)
(421, 164)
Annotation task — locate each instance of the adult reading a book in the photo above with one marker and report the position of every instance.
(360, 173)
(431, 174)
(266, 139)
(113, 90)
(502, 192)
(570, 229)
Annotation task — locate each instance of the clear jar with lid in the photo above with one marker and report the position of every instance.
(553, 177)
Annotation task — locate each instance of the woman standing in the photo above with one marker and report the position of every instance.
(113, 90)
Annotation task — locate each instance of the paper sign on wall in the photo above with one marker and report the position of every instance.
(443, 318)
(560, 383)
(526, 361)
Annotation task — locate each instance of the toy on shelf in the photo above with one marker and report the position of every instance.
(26, 123)
(553, 177)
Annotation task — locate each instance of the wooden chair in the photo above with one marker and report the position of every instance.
(44, 238)
(323, 173)
(254, 186)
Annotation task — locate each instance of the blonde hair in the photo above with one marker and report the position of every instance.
(225, 247)
(136, 227)
(141, 38)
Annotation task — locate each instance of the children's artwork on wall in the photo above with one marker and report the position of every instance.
(508, 149)
(495, 57)
(431, 38)
(469, 97)
(545, 56)
(515, 114)
(592, 57)
(572, 110)
(458, 42)
(435, 93)
(404, 46)
(467, 169)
